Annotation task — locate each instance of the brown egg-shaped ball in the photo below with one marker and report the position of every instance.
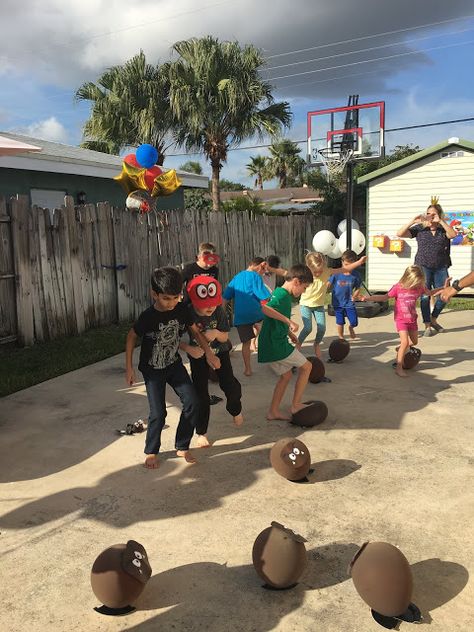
(110, 583)
(291, 459)
(311, 415)
(279, 556)
(318, 370)
(412, 357)
(382, 577)
(338, 350)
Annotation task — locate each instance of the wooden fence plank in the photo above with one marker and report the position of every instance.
(75, 249)
(24, 301)
(8, 320)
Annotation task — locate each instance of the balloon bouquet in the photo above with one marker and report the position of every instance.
(143, 180)
(328, 244)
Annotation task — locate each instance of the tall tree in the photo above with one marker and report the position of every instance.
(192, 166)
(285, 162)
(219, 99)
(128, 107)
(258, 167)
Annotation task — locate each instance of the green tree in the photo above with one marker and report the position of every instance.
(332, 192)
(285, 163)
(128, 107)
(259, 167)
(245, 203)
(219, 99)
(192, 166)
(399, 152)
(228, 185)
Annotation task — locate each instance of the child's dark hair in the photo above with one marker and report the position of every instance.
(349, 256)
(256, 261)
(167, 281)
(273, 261)
(300, 272)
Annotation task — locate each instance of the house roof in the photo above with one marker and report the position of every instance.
(293, 194)
(60, 158)
(424, 153)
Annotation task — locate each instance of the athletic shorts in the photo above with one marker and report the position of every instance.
(296, 358)
(246, 332)
(401, 326)
(351, 314)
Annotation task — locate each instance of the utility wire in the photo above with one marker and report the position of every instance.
(300, 142)
(368, 61)
(364, 37)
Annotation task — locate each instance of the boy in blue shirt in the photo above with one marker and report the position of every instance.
(248, 292)
(345, 288)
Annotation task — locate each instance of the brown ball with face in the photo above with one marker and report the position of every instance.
(279, 556)
(318, 370)
(119, 574)
(338, 350)
(311, 415)
(291, 459)
(382, 577)
(412, 357)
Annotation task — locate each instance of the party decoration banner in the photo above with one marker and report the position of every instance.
(463, 224)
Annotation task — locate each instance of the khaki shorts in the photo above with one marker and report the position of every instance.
(296, 358)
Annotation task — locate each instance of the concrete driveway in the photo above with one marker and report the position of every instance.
(392, 462)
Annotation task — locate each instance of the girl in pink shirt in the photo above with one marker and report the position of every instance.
(406, 292)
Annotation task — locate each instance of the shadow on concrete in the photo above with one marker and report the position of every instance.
(332, 469)
(435, 583)
(206, 595)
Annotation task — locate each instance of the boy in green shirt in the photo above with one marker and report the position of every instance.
(274, 346)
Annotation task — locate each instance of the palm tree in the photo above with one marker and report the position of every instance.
(258, 167)
(285, 162)
(219, 99)
(128, 107)
(192, 166)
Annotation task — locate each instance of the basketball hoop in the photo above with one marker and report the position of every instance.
(335, 163)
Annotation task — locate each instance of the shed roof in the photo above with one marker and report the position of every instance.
(61, 158)
(424, 153)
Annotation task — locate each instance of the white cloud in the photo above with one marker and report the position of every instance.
(49, 129)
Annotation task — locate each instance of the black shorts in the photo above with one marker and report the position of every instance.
(246, 332)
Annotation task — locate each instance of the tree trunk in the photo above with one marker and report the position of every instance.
(260, 183)
(216, 198)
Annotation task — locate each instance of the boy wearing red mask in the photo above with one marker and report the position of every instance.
(205, 296)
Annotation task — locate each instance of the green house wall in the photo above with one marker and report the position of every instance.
(19, 181)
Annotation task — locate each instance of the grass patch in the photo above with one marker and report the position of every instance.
(21, 368)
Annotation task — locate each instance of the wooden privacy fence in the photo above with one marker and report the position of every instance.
(83, 267)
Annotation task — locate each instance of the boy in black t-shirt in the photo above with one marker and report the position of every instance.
(205, 294)
(161, 327)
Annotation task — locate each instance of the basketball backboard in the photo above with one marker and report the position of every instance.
(356, 127)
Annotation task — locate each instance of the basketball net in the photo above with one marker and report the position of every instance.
(335, 163)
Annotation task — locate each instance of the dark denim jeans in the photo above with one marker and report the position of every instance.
(435, 277)
(178, 378)
(228, 383)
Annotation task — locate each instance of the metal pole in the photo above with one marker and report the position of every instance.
(349, 200)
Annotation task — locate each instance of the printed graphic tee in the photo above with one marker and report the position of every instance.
(217, 320)
(161, 333)
(405, 303)
(342, 287)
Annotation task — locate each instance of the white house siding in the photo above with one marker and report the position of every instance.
(394, 199)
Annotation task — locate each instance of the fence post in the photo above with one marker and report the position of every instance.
(24, 300)
(74, 245)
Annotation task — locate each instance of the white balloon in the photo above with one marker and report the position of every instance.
(358, 241)
(335, 252)
(342, 226)
(324, 241)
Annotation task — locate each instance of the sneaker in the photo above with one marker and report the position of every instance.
(214, 399)
(427, 333)
(437, 327)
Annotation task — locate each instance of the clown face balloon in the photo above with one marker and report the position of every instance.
(120, 573)
(204, 291)
(382, 577)
(279, 556)
(291, 459)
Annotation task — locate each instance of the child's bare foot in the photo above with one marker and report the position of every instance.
(400, 372)
(151, 462)
(297, 407)
(274, 415)
(352, 333)
(238, 419)
(248, 372)
(203, 441)
(187, 455)
(341, 338)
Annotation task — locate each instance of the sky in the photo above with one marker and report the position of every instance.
(417, 56)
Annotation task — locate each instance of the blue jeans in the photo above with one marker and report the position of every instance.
(435, 277)
(178, 378)
(307, 314)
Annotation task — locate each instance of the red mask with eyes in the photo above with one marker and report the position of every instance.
(210, 258)
(204, 291)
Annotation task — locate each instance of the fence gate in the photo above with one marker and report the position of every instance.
(8, 320)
